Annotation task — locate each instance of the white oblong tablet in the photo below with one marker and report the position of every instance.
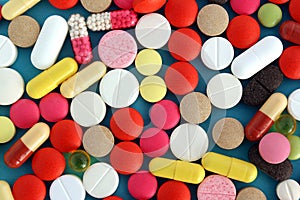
(224, 90)
(294, 104)
(8, 52)
(119, 88)
(11, 86)
(189, 142)
(217, 53)
(288, 190)
(67, 187)
(49, 42)
(153, 31)
(257, 57)
(88, 109)
(100, 180)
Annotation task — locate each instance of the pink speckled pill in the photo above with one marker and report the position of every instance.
(165, 114)
(216, 187)
(274, 148)
(117, 49)
(244, 7)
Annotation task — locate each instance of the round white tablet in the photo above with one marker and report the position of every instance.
(8, 52)
(100, 180)
(189, 142)
(11, 86)
(294, 104)
(67, 187)
(153, 31)
(217, 53)
(88, 109)
(224, 90)
(119, 88)
(288, 190)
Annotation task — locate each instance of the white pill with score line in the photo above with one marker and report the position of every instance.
(8, 52)
(288, 190)
(294, 104)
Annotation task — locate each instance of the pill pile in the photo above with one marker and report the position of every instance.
(139, 99)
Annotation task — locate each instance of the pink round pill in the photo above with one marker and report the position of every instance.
(142, 185)
(216, 187)
(274, 148)
(244, 7)
(54, 107)
(165, 114)
(154, 142)
(24, 113)
(117, 49)
(124, 4)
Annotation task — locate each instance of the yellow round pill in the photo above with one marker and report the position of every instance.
(7, 129)
(153, 89)
(148, 62)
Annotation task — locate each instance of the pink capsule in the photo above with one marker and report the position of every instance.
(119, 19)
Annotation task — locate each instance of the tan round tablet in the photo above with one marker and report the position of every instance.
(251, 193)
(212, 20)
(23, 31)
(96, 6)
(195, 107)
(98, 141)
(228, 133)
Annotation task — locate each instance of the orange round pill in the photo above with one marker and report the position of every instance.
(113, 198)
(173, 190)
(243, 31)
(181, 13)
(63, 4)
(146, 6)
(185, 44)
(126, 158)
(289, 62)
(294, 9)
(278, 1)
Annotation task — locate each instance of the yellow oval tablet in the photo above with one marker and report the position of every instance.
(5, 191)
(148, 62)
(14, 8)
(153, 89)
(7, 129)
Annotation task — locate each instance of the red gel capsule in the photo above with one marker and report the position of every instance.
(265, 117)
(290, 31)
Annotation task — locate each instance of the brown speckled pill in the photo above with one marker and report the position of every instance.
(212, 20)
(195, 107)
(251, 193)
(96, 6)
(228, 133)
(98, 141)
(23, 31)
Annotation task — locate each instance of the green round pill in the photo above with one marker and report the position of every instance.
(285, 124)
(79, 160)
(295, 147)
(269, 15)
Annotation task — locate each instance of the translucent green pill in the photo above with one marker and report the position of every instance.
(285, 124)
(269, 15)
(79, 160)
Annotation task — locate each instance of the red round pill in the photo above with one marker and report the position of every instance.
(185, 44)
(294, 9)
(289, 62)
(173, 190)
(0, 12)
(181, 78)
(126, 157)
(63, 4)
(24, 113)
(126, 124)
(66, 136)
(146, 6)
(29, 187)
(181, 13)
(48, 164)
(243, 31)
(113, 198)
(278, 1)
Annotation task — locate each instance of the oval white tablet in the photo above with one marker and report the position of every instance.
(217, 53)
(288, 190)
(224, 90)
(257, 57)
(100, 180)
(294, 104)
(11, 86)
(189, 142)
(67, 187)
(153, 31)
(119, 88)
(49, 42)
(88, 109)
(8, 52)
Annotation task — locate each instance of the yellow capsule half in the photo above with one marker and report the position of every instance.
(14, 8)
(5, 191)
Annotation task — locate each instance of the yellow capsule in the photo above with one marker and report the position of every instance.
(177, 170)
(83, 79)
(14, 8)
(51, 78)
(5, 191)
(231, 167)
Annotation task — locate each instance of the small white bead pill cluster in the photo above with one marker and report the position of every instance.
(99, 21)
(77, 26)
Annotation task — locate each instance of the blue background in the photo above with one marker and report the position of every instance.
(241, 112)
